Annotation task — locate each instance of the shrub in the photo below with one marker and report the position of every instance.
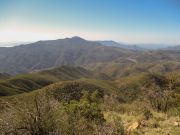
(160, 99)
(113, 126)
(148, 114)
(156, 79)
(87, 108)
(175, 111)
(73, 91)
(153, 124)
(84, 114)
(34, 116)
(37, 117)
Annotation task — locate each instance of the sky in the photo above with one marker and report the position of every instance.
(131, 21)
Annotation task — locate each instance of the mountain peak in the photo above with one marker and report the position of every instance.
(75, 38)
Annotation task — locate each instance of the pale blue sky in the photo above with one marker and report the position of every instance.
(133, 21)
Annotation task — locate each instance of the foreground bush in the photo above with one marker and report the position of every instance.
(41, 114)
(34, 117)
(161, 99)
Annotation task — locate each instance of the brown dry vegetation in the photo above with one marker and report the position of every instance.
(142, 104)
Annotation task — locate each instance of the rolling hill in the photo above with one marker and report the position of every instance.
(116, 70)
(32, 81)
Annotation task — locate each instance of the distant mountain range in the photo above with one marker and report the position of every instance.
(121, 45)
(153, 46)
(75, 51)
(53, 53)
(173, 47)
(136, 46)
(11, 44)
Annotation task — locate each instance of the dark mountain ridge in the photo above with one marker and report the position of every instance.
(54, 53)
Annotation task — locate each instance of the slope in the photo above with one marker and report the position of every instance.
(28, 82)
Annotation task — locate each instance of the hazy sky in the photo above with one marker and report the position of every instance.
(134, 21)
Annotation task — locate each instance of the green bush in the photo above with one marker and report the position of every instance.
(87, 108)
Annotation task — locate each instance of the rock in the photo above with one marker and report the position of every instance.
(177, 123)
(133, 126)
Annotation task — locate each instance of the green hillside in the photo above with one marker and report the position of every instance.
(28, 82)
(116, 70)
